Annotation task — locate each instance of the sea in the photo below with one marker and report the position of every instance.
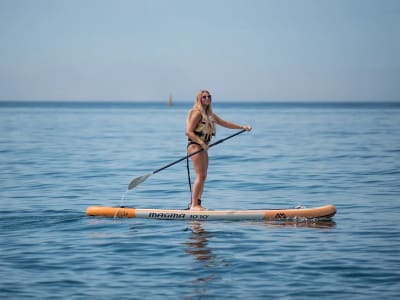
(58, 158)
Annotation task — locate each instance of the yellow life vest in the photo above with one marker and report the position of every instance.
(205, 129)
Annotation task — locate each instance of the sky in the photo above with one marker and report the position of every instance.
(239, 50)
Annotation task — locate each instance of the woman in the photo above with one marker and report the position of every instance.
(200, 128)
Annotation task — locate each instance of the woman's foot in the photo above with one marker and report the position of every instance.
(196, 206)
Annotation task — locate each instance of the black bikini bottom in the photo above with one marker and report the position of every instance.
(192, 143)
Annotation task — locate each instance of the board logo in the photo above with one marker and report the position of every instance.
(280, 216)
(175, 216)
(122, 214)
(198, 217)
(166, 216)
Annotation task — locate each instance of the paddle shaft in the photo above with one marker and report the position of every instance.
(135, 182)
(198, 151)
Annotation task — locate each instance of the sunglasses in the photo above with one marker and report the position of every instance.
(206, 97)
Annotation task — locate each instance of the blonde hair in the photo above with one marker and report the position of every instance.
(206, 112)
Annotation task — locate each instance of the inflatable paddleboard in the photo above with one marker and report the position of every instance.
(327, 211)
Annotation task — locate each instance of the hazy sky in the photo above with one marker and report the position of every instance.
(264, 50)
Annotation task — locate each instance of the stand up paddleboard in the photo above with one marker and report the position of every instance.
(327, 211)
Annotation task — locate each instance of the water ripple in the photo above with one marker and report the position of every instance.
(56, 161)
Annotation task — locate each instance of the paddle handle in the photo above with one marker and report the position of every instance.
(198, 151)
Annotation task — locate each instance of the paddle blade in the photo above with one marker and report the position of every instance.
(135, 182)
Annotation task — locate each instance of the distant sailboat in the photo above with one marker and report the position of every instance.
(170, 101)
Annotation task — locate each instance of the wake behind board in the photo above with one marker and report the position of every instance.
(327, 211)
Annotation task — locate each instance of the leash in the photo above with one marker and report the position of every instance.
(189, 181)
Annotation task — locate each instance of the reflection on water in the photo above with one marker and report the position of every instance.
(197, 246)
(198, 240)
(328, 223)
(198, 243)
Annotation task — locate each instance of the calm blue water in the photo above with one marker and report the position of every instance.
(56, 159)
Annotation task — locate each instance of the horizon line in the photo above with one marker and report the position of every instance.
(186, 101)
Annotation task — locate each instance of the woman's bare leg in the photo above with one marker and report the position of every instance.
(200, 165)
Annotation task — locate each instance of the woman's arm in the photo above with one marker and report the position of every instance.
(230, 125)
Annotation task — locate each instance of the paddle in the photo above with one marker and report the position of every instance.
(135, 182)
